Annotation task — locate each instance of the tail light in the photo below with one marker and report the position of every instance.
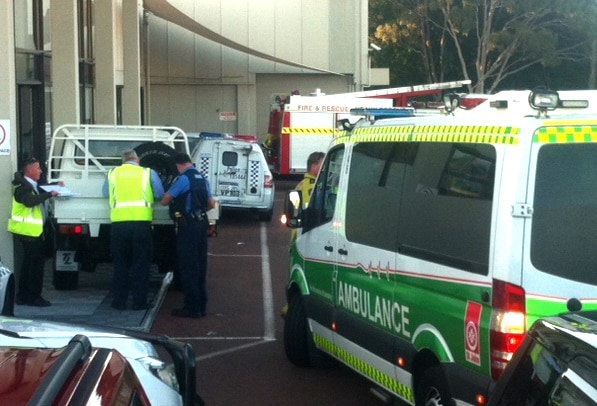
(508, 324)
(269, 181)
(72, 229)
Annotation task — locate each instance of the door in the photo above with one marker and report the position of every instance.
(317, 244)
(560, 233)
(232, 173)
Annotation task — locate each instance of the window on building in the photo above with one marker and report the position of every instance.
(86, 61)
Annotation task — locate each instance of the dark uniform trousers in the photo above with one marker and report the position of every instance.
(131, 246)
(31, 275)
(191, 240)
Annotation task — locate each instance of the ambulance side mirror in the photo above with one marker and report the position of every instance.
(292, 213)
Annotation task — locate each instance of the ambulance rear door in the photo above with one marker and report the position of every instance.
(560, 255)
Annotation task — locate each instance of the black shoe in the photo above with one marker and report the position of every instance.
(186, 313)
(40, 302)
(118, 306)
(143, 306)
(20, 301)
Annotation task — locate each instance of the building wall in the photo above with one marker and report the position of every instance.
(208, 79)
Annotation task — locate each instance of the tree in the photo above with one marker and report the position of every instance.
(489, 41)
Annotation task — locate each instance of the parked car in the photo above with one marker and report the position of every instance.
(555, 365)
(47, 363)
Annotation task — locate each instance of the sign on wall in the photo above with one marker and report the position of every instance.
(4, 137)
(227, 116)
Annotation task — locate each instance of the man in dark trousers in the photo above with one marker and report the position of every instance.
(132, 190)
(27, 223)
(190, 198)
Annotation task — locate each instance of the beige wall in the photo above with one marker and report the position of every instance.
(192, 79)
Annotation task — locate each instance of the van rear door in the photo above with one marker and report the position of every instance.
(560, 255)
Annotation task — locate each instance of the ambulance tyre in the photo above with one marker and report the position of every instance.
(432, 389)
(298, 342)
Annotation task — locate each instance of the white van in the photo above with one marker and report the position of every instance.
(430, 244)
(237, 171)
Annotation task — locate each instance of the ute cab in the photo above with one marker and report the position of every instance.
(237, 172)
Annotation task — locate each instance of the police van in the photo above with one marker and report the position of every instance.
(237, 171)
(430, 243)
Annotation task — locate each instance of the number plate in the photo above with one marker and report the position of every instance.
(230, 192)
(65, 261)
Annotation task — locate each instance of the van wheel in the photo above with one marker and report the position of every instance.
(433, 389)
(266, 215)
(160, 158)
(297, 337)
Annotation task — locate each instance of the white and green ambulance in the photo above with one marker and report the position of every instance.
(430, 244)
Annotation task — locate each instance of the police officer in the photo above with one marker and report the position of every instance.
(132, 190)
(190, 198)
(27, 222)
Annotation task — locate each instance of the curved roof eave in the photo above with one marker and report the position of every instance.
(163, 9)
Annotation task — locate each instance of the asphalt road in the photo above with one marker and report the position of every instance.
(239, 345)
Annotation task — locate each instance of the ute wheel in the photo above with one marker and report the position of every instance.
(433, 389)
(160, 158)
(297, 337)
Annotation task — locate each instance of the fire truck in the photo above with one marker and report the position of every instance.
(299, 125)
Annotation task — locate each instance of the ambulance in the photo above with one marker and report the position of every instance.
(431, 243)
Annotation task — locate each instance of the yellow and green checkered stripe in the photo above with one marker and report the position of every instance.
(436, 133)
(564, 134)
(310, 130)
(377, 376)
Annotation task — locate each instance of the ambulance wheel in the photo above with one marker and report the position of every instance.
(432, 389)
(160, 158)
(297, 337)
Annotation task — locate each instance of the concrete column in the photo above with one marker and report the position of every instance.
(246, 109)
(65, 63)
(8, 101)
(104, 50)
(132, 15)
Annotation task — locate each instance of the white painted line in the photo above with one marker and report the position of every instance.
(230, 350)
(268, 300)
(269, 329)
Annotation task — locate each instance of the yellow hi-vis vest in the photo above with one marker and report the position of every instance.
(25, 220)
(131, 196)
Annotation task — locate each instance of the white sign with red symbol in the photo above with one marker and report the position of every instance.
(4, 137)
(471, 332)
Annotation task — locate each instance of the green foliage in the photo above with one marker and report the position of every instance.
(492, 42)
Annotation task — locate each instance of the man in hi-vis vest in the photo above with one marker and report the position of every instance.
(132, 190)
(27, 222)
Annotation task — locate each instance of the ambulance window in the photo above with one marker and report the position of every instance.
(564, 228)
(323, 199)
(445, 207)
(377, 172)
